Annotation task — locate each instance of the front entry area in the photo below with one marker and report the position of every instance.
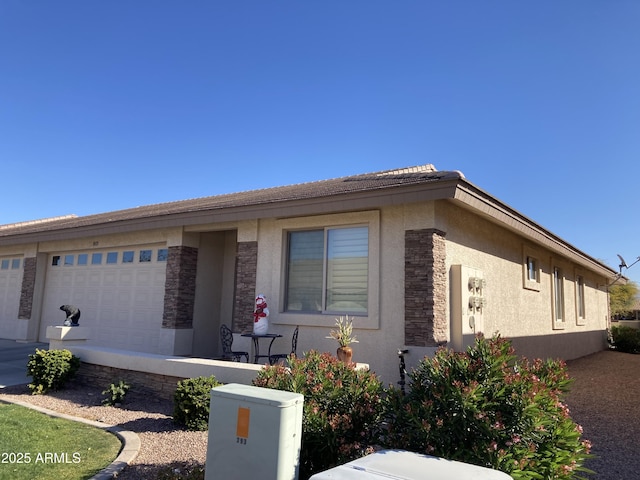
(214, 291)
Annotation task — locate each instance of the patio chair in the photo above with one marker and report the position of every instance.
(226, 337)
(294, 347)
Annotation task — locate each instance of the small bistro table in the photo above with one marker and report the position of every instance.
(256, 344)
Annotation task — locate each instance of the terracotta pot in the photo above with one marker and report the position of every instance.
(345, 354)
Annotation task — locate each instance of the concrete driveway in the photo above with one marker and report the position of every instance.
(13, 361)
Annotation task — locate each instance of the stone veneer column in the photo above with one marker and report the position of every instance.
(425, 282)
(245, 286)
(28, 288)
(180, 287)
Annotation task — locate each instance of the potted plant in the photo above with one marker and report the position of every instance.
(343, 333)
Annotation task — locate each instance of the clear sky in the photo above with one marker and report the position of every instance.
(107, 105)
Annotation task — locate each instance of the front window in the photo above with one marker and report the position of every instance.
(327, 270)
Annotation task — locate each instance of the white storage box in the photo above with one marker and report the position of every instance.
(403, 465)
(253, 433)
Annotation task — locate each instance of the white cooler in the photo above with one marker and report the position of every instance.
(403, 465)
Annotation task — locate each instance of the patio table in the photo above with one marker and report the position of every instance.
(256, 344)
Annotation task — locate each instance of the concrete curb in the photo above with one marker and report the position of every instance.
(130, 440)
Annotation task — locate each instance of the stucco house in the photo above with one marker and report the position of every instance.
(418, 257)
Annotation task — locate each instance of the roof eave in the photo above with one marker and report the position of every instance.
(336, 203)
(488, 206)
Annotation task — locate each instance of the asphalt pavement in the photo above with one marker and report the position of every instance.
(13, 361)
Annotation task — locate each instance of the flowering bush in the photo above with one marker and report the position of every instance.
(485, 407)
(342, 408)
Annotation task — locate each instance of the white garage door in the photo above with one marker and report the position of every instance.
(11, 270)
(120, 294)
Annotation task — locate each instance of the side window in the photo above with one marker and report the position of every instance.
(581, 310)
(558, 298)
(531, 269)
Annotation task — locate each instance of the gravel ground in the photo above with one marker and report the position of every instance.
(604, 399)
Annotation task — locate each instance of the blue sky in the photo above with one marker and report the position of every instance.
(111, 105)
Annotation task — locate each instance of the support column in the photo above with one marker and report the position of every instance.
(425, 288)
(245, 286)
(179, 297)
(28, 288)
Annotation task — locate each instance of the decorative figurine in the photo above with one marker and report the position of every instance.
(73, 315)
(260, 316)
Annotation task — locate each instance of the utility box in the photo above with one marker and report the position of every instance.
(403, 465)
(254, 432)
(468, 305)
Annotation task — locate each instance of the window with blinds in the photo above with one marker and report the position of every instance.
(327, 270)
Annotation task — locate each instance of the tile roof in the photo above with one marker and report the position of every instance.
(423, 174)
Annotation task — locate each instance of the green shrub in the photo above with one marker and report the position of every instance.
(116, 393)
(191, 402)
(486, 408)
(342, 408)
(626, 339)
(51, 369)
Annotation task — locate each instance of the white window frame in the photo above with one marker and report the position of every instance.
(558, 295)
(152, 254)
(368, 320)
(581, 301)
(530, 255)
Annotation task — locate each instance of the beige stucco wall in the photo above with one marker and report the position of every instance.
(523, 315)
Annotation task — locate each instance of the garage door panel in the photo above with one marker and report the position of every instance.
(121, 303)
(10, 288)
(125, 279)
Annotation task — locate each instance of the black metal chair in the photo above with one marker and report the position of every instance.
(226, 338)
(294, 347)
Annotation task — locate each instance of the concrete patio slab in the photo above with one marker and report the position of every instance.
(14, 356)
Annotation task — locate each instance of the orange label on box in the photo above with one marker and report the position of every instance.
(242, 427)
